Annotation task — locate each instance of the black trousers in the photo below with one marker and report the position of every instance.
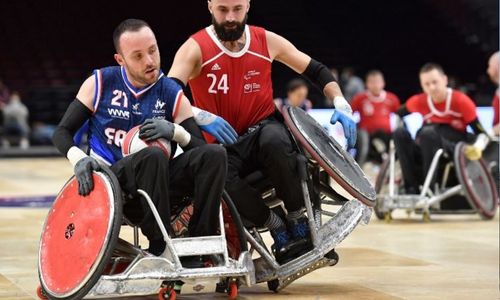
(267, 148)
(198, 173)
(416, 156)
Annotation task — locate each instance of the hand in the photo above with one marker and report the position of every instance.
(472, 152)
(348, 124)
(83, 173)
(216, 126)
(153, 129)
(342, 105)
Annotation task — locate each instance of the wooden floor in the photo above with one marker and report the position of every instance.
(453, 257)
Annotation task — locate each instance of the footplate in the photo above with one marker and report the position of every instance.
(330, 235)
(146, 275)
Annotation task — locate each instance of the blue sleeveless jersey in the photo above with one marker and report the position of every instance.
(118, 107)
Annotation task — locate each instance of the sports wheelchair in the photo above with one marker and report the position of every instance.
(462, 186)
(81, 254)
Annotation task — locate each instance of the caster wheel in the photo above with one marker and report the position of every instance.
(232, 290)
(221, 287)
(333, 257)
(273, 285)
(426, 217)
(41, 294)
(167, 293)
(178, 287)
(387, 217)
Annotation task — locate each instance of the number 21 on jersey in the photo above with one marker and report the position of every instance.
(218, 84)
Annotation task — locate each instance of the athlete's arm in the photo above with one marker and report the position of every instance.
(187, 62)
(284, 51)
(79, 111)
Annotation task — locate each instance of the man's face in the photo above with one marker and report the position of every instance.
(229, 18)
(493, 68)
(375, 84)
(434, 83)
(297, 96)
(140, 56)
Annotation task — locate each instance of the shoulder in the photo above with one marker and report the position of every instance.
(416, 101)
(358, 97)
(392, 96)
(169, 85)
(459, 96)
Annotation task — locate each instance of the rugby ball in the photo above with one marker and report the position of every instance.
(132, 143)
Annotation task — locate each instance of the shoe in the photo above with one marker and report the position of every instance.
(299, 229)
(281, 238)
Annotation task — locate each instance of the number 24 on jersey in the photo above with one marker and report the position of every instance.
(218, 84)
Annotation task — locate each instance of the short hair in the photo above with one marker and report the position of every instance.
(431, 66)
(374, 73)
(133, 25)
(295, 84)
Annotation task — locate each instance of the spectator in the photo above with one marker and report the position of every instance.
(351, 83)
(4, 94)
(16, 120)
(493, 72)
(296, 91)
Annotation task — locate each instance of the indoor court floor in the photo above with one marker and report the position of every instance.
(452, 257)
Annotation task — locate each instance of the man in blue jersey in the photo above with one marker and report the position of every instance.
(114, 100)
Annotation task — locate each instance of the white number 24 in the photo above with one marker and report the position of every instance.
(222, 85)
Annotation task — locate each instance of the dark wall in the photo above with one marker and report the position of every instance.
(47, 45)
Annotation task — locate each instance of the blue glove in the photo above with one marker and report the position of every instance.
(348, 124)
(216, 126)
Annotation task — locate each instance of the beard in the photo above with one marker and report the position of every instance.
(226, 34)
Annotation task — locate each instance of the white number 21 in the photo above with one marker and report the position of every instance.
(222, 85)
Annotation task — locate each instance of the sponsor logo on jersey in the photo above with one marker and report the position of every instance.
(159, 107)
(159, 104)
(135, 109)
(216, 67)
(251, 88)
(251, 74)
(118, 113)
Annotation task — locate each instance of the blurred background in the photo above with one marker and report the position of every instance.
(47, 48)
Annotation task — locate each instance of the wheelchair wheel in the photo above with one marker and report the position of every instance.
(79, 236)
(339, 164)
(382, 187)
(477, 182)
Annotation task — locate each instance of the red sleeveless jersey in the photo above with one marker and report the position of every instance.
(457, 111)
(234, 85)
(375, 111)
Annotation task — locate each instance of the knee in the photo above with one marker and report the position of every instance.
(154, 155)
(428, 134)
(274, 138)
(400, 134)
(214, 152)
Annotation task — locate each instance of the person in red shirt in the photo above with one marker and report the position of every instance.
(375, 106)
(493, 71)
(228, 67)
(446, 114)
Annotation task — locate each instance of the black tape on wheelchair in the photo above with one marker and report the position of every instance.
(339, 164)
(477, 182)
(79, 236)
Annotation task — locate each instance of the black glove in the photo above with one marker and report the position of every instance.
(83, 173)
(153, 129)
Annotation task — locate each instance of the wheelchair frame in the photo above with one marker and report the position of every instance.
(428, 198)
(136, 272)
